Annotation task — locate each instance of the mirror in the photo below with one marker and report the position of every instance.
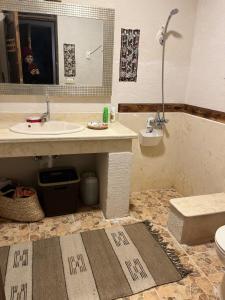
(68, 51)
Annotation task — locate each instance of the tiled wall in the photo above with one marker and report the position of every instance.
(154, 167)
(190, 157)
(201, 164)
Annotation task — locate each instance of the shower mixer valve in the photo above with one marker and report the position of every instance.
(160, 121)
(156, 123)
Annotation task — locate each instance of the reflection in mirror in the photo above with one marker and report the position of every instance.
(50, 49)
(86, 36)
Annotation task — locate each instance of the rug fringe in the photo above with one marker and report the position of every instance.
(171, 253)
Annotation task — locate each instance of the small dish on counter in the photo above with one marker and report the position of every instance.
(97, 125)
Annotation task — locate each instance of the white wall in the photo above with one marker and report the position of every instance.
(148, 16)
(206, 86)
(87, 35)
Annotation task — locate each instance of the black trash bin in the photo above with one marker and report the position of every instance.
(59, 190)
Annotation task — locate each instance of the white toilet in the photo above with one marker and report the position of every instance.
(220, 248)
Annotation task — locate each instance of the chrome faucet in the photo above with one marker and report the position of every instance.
(45, 117)
(160, 121)
(156, 123)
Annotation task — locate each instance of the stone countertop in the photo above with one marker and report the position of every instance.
(116, 131)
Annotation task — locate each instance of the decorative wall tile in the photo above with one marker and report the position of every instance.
(202, 112)
(69, 60)
(129, 54)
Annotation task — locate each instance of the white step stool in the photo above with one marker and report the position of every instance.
(194, 220)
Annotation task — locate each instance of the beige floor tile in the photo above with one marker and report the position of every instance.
(51, 227)
(216, 278)
(150, 295)
(208, 262)
(12, 233)
(189, 288)
(147, 295)
(191, 250)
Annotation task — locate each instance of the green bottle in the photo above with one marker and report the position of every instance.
(105, 117)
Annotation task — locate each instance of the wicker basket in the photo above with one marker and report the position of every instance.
(21, 209)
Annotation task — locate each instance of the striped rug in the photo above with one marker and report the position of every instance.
(100, 264)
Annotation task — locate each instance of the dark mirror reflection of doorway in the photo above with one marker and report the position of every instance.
(13, 66)
(31, 41)
(38, 40)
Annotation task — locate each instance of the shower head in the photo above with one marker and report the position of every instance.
(174, 11)
(162, 34)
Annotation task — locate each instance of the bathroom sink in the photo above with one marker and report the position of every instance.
(150, 138)
(50, 127)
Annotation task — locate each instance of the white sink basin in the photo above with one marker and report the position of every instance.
(50, 127)
(150, 138)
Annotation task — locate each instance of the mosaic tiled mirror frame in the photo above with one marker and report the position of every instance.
(48, 7)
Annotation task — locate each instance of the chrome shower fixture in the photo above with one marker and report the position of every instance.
(174, 11)
(162, 34)
(162, 37)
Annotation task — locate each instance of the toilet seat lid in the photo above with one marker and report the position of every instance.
(220, 237)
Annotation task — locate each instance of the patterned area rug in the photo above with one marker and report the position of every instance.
(100, 264)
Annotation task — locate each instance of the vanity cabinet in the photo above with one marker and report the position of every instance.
(111, 150)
